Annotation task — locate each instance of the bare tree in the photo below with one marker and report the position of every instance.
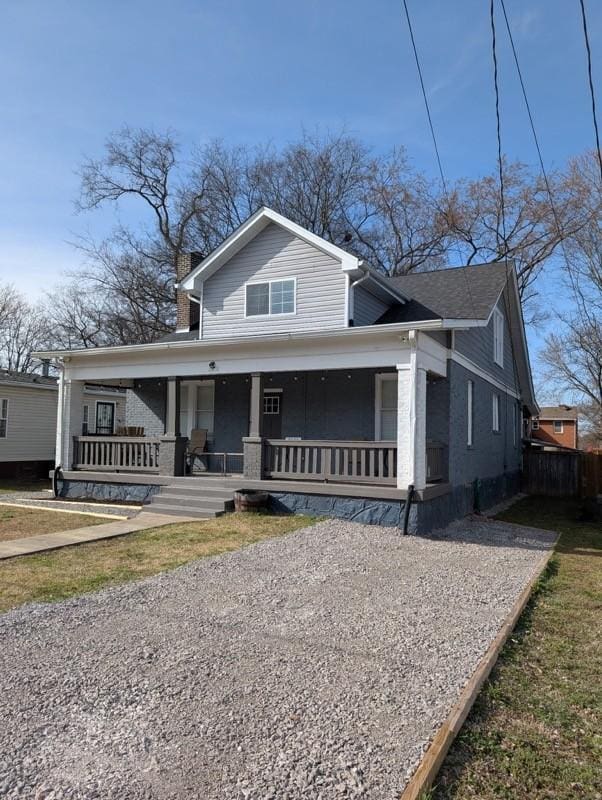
(377, 206)
(23, 329)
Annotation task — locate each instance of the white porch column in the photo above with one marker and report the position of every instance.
(411, 424)
(70, 420)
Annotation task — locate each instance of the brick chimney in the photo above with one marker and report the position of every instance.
(188, 311)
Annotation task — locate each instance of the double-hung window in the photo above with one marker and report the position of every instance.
(498, 337)
(495, 423)
(558, 426)
(86, 421)
(270, 298)
(3, 418)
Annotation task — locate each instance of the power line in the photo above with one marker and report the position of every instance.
(434, 138)
(498, 126)
(553, 208)
(591, 84)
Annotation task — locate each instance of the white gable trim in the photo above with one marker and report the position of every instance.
(248, 231)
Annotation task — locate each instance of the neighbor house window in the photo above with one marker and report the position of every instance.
(3, 418)
(470, 412)
(558, 426)
(495, 423)
(271, 297)
(535, 424)
(85, 420)
(498, 337)
(386, 407)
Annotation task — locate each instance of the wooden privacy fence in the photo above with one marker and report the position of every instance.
(562, 473)
(112, 453)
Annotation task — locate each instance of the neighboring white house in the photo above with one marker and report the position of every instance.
(28, 413)
(336, 389)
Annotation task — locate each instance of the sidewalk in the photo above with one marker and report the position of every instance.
(90, 533)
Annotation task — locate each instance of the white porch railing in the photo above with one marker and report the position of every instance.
(317, 460)
(111, 453)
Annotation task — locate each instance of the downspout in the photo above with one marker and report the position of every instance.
(406, 508)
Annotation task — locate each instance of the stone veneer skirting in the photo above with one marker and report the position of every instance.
(425, 515)
(109, 492)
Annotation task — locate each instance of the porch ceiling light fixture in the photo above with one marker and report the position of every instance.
(212, 365)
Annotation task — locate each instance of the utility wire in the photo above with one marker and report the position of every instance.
(591, 84)
(498, 126)
(539, 155)
(434, 138)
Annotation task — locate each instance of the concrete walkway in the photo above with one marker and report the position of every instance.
(90, 533)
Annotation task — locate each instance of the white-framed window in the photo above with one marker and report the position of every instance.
(535, 424)
(3, 417)
(86, 420)
(558, 426)
(470, 413)
(386, 407)
(271, 404)
(495, 421)
(269, 298)
(498, 337)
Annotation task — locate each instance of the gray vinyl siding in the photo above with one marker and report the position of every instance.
(477, 345)
(274, 254)
(31, 425)
(366, 307)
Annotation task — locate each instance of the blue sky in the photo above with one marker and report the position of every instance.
(257, 71)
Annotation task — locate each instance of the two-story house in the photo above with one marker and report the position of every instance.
(556, 426)
(338, 390)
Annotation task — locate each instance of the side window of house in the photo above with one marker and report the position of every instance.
(495, 422)
(271, 297)
(387, 410)
(470, 412)
(498, 337)
(558, 426)
(86, 420)
(535, 424)
(3, 418)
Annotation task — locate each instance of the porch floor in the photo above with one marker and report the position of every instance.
(375, 491)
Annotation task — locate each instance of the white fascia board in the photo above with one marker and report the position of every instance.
(368, 331)
(481, 373)
(248, 231)
(341, 352)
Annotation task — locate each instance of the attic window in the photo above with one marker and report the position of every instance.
(270, 297)
(498, 337)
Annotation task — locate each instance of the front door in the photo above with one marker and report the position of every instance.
(105, 419)
(272, 415)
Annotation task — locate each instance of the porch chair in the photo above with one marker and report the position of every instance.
(196, 447)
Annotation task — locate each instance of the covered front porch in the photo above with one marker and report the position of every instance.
(379, 425)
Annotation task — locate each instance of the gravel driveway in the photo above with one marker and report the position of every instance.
(316, 665)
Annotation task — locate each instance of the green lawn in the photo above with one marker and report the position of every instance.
(63, 573)
(535, 731)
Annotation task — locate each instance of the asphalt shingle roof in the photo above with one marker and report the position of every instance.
(557, 412)
(7, 376)
(455, 293)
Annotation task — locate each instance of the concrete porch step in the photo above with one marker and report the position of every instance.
(182, 511)
(201, 502)
(197, 492)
